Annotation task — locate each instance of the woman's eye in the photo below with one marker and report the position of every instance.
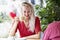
(28, 12)
(24, 11)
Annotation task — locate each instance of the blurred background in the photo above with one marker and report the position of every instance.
(47, 10)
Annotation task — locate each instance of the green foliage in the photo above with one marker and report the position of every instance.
(4, 17)
(49, 13)
(1, 19)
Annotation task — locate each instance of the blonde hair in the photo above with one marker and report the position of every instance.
(28, 4)
(32, 19)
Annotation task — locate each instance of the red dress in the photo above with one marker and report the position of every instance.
(24, 31)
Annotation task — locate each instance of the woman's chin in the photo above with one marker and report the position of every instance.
(27, 18)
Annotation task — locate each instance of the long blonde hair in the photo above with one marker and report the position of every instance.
(32, 19)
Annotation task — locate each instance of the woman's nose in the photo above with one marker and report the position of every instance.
(27, 14)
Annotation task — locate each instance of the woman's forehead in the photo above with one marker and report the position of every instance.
(26, 7)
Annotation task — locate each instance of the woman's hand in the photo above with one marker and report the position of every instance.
(16, 19)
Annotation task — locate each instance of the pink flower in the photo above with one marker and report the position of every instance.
(12, 14)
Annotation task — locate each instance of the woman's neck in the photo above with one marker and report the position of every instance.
(26, 23)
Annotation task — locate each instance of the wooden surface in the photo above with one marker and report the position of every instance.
(33, 39)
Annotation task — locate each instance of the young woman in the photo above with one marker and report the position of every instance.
(29, 25)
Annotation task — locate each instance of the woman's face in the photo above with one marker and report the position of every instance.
(26, 10)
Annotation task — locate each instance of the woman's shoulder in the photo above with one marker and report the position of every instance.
(53, 30)
(54, 25)
(37, 18)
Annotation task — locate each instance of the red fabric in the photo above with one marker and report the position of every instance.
(37, 25)
(12, 14)
(24, 31)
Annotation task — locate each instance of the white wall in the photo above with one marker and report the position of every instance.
(37, 1)
(7, 7)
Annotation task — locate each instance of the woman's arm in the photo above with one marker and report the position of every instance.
(35, 36)
(14, 27)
